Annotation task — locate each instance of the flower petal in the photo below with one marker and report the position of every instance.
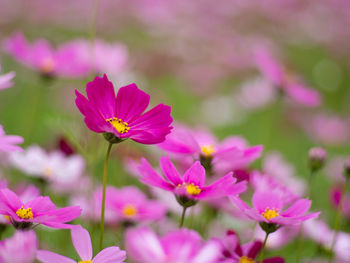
(131, 102)
(299, 208)
(110, 255)
(262, 200)
(170, 171)
(50, 257)
(82, 242)
(195, 174)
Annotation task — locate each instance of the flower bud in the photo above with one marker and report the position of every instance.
(317, 157)
(347, 168)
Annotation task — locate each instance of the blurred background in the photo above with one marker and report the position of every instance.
(201, 58)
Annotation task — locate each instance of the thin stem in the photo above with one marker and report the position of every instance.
(263, 248)
(104, 182)
(309, 188)
(182, 220)
(337, 218)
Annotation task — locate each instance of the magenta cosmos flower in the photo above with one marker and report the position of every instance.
(130, 204)
(268, 208)
(40, 210)
(230, 154)
(185, 246)
(20, 248)
(122, 117)
(234, 252)
(82, 244)
(64, 61)
(275, 72)
(192, 184)
(8, 142)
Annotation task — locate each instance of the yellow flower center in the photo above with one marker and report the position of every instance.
(245, 259)
(47, 66)
(208, 150)
(192, 189)
(25, 213)
(7, 218)
(47, 171)
(84, 261)
(129, 210)
(270, 213)
(119, 125)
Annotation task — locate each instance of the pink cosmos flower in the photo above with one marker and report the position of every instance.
(274, 71)
(61, 171)
(191, 184)
(42, 57)
(130, 204)
(123, 116)
(268, 208)
(20, 248)
(8, 142)
(233, 252)
(82, 244)
(185, 246)
(6, 80)
(39, 210)
(232, 153)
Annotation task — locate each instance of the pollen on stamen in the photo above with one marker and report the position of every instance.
(129, 210)
(25, 213)
(270, 213)
(119, 125)
(85, 261)
(193, 189)
(245, 259)
(208, 150)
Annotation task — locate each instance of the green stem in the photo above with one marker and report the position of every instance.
(263, 248)
(182, 220)
(337, 219)
(104, 182)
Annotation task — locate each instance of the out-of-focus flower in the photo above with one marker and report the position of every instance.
(190, 186)
(20, 248)
(233, 252)
(185, 246)
(82, 244)
(279, 169)
(41, 56)
(122, 117)
(232, 153)
(39, 210)
(101, 56)
(335, 197)
(268, 208)
(317, 157)
(280, 238)
(6, 80)
(8, 142)
(130, 204)
(276, 73)
(64, 146)
(61, 171)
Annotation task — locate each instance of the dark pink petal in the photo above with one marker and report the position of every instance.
(303, 95)
(149, 136)
(101, 95)
(219, 188)
(299, 208)
(254, 249)
(131, 102)
(170, 171)
(195, 174)
(9, 202)
(274, 260)
(263, 200)
(155, 122)
(93, 118)
(110, 255)
(151, 177)
(40, 205)
(82, 242)
(50, 257)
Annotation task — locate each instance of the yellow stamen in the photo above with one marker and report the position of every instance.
(208, 150)
(119, 125)
(25, 213)
(129, 210)
(47, 171)
(7, 218)
(270, 213)
(193, 189)
(85, 261)
(245, 259)
(47, 66)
